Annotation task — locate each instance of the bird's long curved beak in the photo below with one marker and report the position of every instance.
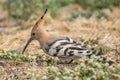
(29, 41)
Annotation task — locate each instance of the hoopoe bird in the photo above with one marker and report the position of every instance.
(56, 46)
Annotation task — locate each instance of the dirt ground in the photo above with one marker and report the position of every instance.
(14, 35)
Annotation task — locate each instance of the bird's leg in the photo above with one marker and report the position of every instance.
(70, 61)
(65, 62)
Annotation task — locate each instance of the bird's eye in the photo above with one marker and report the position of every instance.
(33, 34)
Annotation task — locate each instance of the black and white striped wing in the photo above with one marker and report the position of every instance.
(67, 47)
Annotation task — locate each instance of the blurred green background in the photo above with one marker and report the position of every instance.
(23, 9)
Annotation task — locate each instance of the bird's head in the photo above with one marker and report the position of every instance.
(37, 31)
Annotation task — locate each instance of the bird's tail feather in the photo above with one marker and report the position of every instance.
(101, 58)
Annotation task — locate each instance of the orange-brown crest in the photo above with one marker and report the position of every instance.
(40, 22)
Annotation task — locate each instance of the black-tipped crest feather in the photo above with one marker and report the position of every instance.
(44, 14)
